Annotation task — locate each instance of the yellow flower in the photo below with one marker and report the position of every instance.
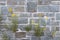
(46, 18)
(13, 15)
(10, 9)
(32, 21)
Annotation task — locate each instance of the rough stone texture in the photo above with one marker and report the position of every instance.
(46, 8)
(21, 2)
(23, 21)
(20, 34)
(31, 7)
(4, 10)
(2, 4)
(19, 9)
(45, 2)
(11, 2)
(25, 15)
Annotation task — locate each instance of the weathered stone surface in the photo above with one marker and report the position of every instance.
(21, 2)
(2, 3)
(20, 34)
(4, 10)
(58, 16)
(26, 39)
(47, 8)
(50, 14)
(31, 7)
(19, 9)
(11, 2)
(23, 21)
(25, 15)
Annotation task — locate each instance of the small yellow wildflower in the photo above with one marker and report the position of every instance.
(46, 18)
(13, 15)
(10, 9)
(32, 21)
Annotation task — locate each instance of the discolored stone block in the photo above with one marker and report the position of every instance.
(20, 34)
(46, 8)
(2, 3)
(39, 2)
(39, 15)
(19, 9)
(23, 21)
(44, 2)
(4, 10)
(31, 7)
(11, 2)
(25, 15)
(58, 16)
(21, 2)
(50, 14)
(26, 39)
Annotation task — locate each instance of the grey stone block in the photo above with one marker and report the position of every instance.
(56, 38)
(20, 34)
(2, 3)
(23, 21)
(4, 10)
(21, 2)
(11, 2)
(26, 39)
(44, 8)
(25, 15)
(35, 38)
(31, 7)
(19, 9)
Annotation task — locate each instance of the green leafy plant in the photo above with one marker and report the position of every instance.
(38, 32)
(7, 26)
(1, 17)
(28, 28)
(53, 33)
(14, 25)
(5, 37)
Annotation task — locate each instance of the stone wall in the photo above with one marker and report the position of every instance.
(31, 9)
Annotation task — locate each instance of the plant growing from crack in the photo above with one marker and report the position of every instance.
(14, 20)
(14, 25)
(38, 32)
(28, 28)
(1, 17)
(5, 37)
